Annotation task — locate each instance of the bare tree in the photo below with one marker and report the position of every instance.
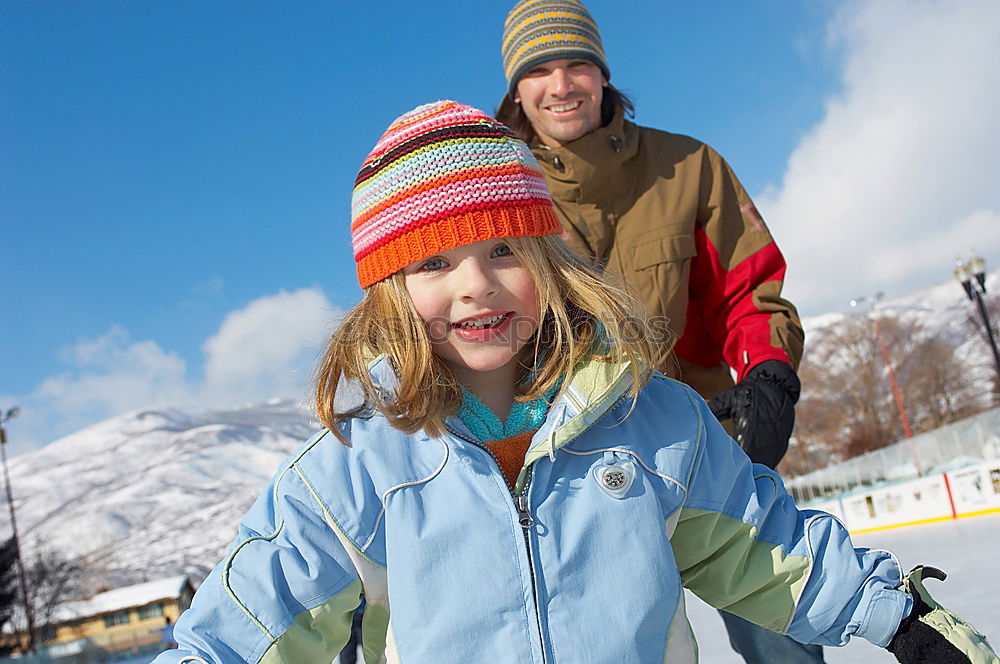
(847, 402)
(938, 385)
(9, 595)
(847, 405)
(53, 579)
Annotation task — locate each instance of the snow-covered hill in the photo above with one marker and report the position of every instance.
(943, 309)
(161, 491)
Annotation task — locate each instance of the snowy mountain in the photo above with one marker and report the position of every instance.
(942, 309)
(160, 492)
(157, 492)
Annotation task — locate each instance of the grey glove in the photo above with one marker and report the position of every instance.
(763, 407)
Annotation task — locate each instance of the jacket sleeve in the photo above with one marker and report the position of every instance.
(742, 545)
(735, 302)
(285, 592)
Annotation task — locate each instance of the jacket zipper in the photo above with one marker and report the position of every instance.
(525, 520)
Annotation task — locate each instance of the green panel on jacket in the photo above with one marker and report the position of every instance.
(374, 628)
(317, 636)
(764, 583)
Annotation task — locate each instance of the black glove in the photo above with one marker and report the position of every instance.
(763, 406)
(932, 634)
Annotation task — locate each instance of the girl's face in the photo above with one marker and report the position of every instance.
(478, 302)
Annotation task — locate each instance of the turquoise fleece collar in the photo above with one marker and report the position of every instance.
(596, 385)
(484, 424)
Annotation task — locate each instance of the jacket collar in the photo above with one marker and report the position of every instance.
(595, 387)
(588, 161)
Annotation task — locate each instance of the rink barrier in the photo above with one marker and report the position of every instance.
(968, 441)
(957, 494)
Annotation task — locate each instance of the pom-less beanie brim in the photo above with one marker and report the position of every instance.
(530, 220)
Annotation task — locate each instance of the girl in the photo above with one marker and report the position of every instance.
(510, 484)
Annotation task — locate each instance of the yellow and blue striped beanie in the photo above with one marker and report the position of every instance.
(537, 31)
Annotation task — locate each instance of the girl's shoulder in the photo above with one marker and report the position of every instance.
(668, 414)
(673, 399)
(660, 431)
(601, 394)
(348, 483)
(373, 449)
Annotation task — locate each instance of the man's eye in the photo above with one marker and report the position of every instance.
(502, 250)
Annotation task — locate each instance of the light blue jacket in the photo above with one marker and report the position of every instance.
(615, 511)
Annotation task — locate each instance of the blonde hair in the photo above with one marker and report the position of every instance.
(584, 315)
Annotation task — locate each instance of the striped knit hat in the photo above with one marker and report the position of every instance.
(442, 176)
(537, 31)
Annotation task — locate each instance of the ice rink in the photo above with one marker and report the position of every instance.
(968, 550)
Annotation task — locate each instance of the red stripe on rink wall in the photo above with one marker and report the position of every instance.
(951, 498)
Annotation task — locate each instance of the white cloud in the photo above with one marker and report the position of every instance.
(104, 376)
(900, 176)
(942, 248)
(267, 349)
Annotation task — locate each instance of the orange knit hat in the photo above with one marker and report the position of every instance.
(442, 176)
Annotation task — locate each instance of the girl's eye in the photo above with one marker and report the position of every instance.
(502, 250)
(432, 265)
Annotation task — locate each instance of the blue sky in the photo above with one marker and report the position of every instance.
(175, 177)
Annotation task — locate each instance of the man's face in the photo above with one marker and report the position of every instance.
(562, 99)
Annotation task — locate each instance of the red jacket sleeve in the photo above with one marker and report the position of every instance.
(735, 310)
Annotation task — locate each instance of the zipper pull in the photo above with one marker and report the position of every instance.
(523, 515)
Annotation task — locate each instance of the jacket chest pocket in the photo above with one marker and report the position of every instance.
(657, 251)
(659, 271)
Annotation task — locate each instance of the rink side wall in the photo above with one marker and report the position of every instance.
(949, 473)
(971, 491)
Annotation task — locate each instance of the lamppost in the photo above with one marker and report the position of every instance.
(896, 393)
(29, 617)
(972, 276)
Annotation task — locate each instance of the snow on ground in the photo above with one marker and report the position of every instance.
(966, 549)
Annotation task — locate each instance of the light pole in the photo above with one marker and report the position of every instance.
(896, 393)
(29, 617)
(972, 276)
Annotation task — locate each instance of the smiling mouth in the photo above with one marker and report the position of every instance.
(565, 108)
(482, 323)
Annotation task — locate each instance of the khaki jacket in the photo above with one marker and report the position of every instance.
(667, 213)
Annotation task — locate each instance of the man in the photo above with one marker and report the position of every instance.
(667, 213)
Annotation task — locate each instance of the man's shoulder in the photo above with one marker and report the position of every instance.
(668, 138)
(655, 141)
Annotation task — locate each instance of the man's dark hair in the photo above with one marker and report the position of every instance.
(513, 115)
